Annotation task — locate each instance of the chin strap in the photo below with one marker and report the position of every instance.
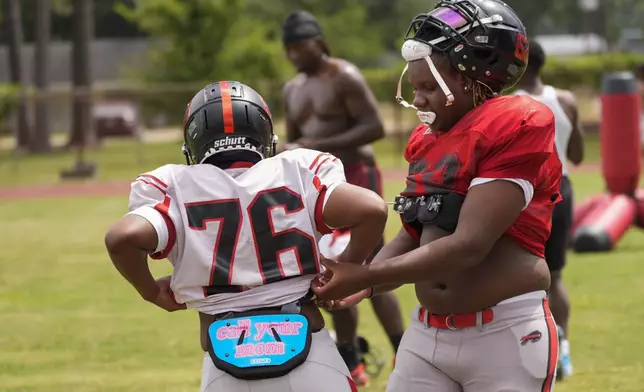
(412, 51)
(415, 50)
(186, 154)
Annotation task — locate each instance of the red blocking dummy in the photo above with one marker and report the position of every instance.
(620, 133)
(579, 214)
(639, 200)
(605, 224)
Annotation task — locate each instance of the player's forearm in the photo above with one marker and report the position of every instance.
(400, 245)
(359, 135)
(575, 151)
(363, 212)
(132, 264)
(365, 237)
(131, 261)
(440, 259)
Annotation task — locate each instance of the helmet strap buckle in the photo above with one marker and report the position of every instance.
(186, 153)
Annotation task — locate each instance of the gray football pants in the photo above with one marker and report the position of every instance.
(323, 371)
(516, 352)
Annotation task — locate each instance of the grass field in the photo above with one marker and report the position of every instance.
(69, 322)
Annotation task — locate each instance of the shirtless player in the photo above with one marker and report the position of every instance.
(329, 107)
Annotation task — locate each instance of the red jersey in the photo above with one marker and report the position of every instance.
(506, 137)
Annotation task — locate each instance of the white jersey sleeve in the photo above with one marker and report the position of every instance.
(150, 199)
(322, 173)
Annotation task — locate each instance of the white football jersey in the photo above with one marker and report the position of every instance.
(242, 238)
(332, 245)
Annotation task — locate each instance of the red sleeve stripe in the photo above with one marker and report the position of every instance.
(161, 183)
(315, 161)
(318, 184)
(321, 164)
(151, 183)
(319, 213)
(163, 208)
(227, 107)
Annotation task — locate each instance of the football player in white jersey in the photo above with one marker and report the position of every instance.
(241, 229)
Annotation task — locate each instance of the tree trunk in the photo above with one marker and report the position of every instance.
(82, 128)
(13, 25)
(42, 129)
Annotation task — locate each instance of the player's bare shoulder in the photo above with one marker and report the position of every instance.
(567, 100)
(346, 74)
(566, 96)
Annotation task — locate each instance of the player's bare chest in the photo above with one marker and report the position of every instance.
(315, 97)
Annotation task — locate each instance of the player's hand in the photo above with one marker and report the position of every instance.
(165, 298)
(339, 281)
(347, 302)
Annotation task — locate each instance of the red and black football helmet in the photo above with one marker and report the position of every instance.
(227, 116)
(484, 39)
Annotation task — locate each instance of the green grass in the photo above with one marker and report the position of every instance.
(120, 160)
(117, 160)
(124, 160)
(69, 322)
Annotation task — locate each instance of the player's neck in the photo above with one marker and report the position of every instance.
(532, 85)
(320, 68)
(240, 165)
(225, 163)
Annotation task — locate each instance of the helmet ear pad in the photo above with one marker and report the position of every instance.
(472, 63)
(484, 64)
(273, 147)
(186, 153)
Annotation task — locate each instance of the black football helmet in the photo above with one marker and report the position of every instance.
(227, 116)
(484, 39)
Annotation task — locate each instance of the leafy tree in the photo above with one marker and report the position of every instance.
(204, 40)
(347, 25)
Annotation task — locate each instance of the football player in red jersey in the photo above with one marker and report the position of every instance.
(483, 180)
